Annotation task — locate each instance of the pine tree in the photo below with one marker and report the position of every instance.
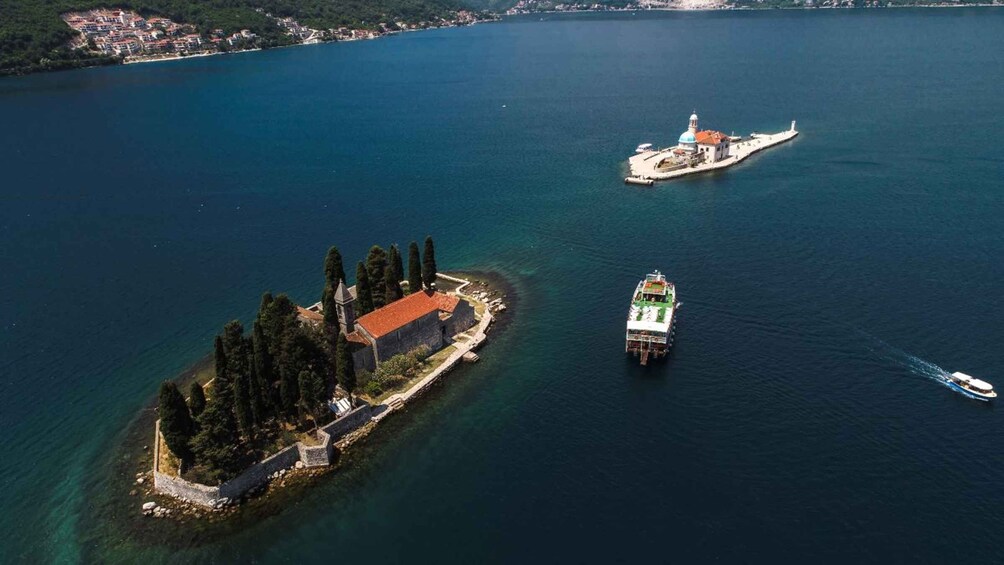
(414, 269)
(196, 399)
(429, 264)
(376, 267)
(393, 291)
(333, 269)
(175, 421)
(364, 293)
(346, 367)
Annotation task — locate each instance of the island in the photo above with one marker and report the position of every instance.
(698, 151)
(308, 381)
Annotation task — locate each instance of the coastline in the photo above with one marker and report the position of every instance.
(728, 8)
(134, 459)
(140, 59)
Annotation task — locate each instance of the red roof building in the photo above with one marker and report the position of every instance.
(400, 313)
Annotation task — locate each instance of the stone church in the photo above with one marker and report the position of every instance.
(430, 318)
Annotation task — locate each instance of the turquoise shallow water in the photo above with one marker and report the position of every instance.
(799, 416)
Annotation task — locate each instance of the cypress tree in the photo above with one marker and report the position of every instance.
(429, 263)
(393, 290)
(196, 399)
(216, 443)
(220, 358)
(255, 391)
(312, 394)
(414, 268)
(242, 404)
(376, 268)
(239, 374)
(175, 421)
(264, 371)
(364, 293)
(329, 308)
(346, 367)
(333, 269)
(394, 259)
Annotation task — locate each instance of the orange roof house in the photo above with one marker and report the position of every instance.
(710, 137)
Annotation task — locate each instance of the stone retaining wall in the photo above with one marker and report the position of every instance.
(258, 474)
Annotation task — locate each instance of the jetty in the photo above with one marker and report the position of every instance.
(699, 152)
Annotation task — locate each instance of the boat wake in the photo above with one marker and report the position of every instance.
(913, 364)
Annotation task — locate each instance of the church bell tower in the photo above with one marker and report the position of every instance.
(345, 304)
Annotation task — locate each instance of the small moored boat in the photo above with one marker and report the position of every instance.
(971, 386)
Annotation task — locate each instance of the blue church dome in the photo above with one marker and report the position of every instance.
(687, 137)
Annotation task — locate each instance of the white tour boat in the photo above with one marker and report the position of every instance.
(971, 386)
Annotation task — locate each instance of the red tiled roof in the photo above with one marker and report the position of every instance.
(309, 314)
(446, 302)
(354, 337)
(710, 137)
(399, 313)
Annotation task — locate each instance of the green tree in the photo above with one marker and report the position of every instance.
(346, 367)
(364, 292)
(235, 345)
(216, 444)
(313, 394)
(414, 268)
(393, 291)
(264, 371)
(429, 263)
(175, 421)
(196, 399)
(333, 269)
(220, 358)
(329, 308)
(394, 259)
(376, 268)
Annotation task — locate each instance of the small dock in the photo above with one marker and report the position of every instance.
(644, 165)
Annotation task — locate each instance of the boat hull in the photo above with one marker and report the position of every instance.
(971, 394)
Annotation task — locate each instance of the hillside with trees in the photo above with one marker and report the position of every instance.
(33, 37)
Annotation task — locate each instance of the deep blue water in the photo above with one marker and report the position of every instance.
(824, 282)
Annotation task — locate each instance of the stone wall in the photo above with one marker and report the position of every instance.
(180, 488)
(349, 422)
(257, 474)
(462, 318)
(425, 331)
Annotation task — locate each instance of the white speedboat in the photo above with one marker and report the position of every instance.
(971, 386)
